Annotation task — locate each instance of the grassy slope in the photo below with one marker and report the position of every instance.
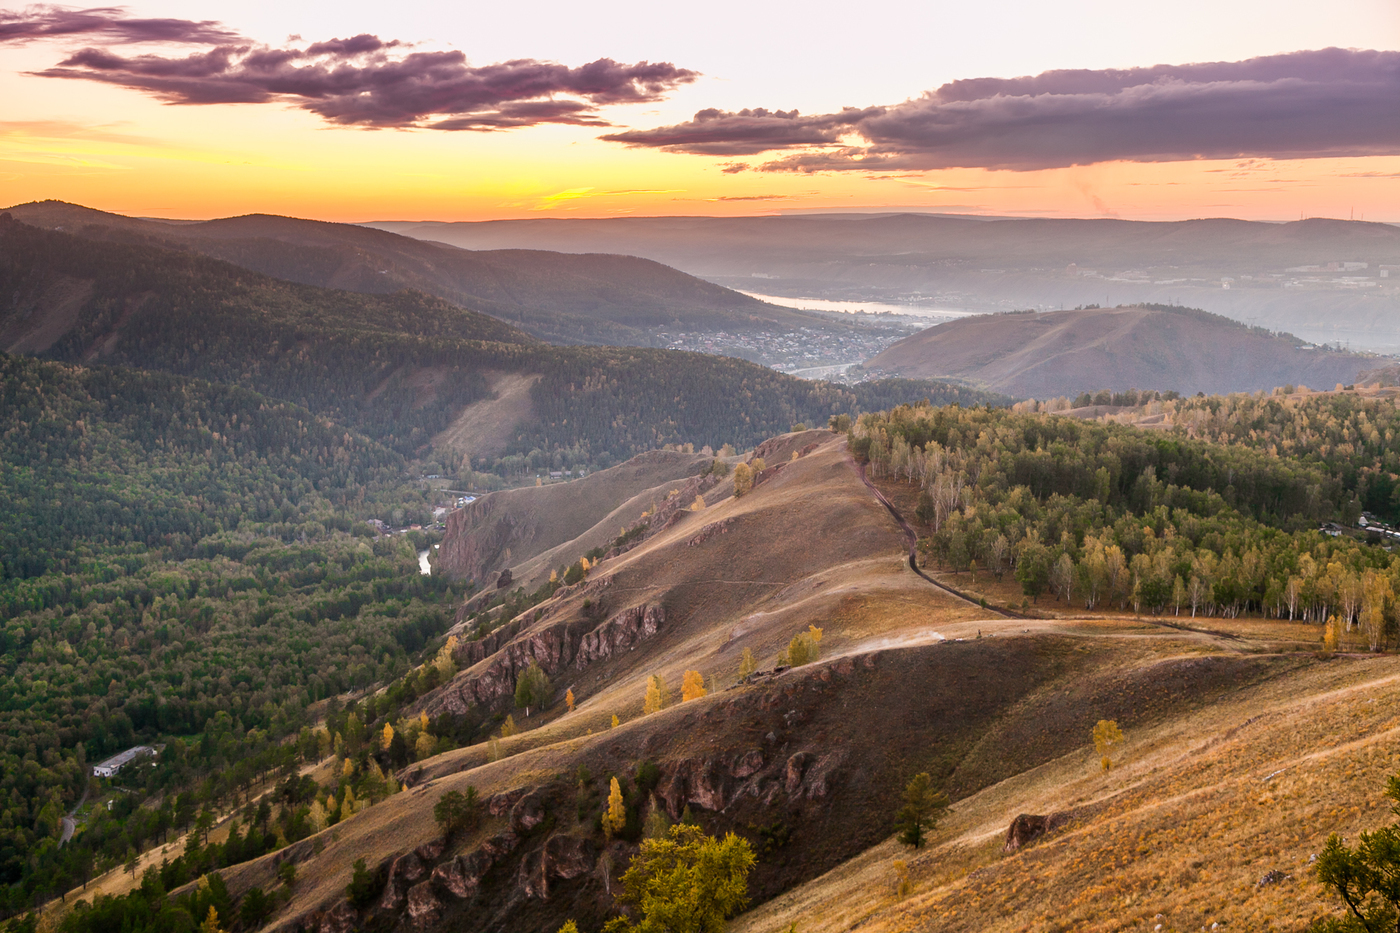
(982, 714)
(1066, 352)
(1201, 807)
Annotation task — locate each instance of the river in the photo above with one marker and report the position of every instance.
(855, 307)
(423, 566)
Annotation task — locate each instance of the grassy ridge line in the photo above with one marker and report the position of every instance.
(566, 298)
(358, 359)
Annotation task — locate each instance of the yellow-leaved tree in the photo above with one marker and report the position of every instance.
(656, 695)
(747, 664)
(386, 738)
(569, 699)
(743, 479)
(616, 816)
(692, 686)
(1107, 737)
(805, 647)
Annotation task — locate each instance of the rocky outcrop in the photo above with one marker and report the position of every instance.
(460, 877)
(478, 538)
(710, 531)
(623, 631)
(339, 919)
(490, 677)
(404, 871)
(562, 857)
(1027, 828)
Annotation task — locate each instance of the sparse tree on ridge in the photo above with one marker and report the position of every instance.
(1107, 737)
(743, 479)
(685, 882)
(616, 816)
(692, 686)
(532, 687)
(923, 806)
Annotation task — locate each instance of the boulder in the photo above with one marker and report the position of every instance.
(423, 906)
(527, 813)
(1027, 828)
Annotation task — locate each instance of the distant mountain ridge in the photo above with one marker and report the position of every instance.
(562, 298)
(1008, 263)
(403, 368)
(1067, 352)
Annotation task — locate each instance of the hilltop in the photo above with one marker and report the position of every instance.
(425, 377)
(559, 297)
(1067, 352)
(1321, 279)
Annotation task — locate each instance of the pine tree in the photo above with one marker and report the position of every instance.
(921, 811)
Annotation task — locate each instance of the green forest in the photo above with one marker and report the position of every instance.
(1104, 515)
(184, 563)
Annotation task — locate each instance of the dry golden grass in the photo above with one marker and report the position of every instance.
(1179, 834)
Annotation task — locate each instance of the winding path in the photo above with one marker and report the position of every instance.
(70, 824)
(912, 537)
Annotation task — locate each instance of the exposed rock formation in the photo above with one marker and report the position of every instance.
(1027, 828)
(492, 667)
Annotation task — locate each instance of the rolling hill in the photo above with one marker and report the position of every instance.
(1001, 264)
(414, 372)
(809, 762)
(563, 298)
(1067, 352)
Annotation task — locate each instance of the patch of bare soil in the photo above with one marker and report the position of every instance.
(53, 315)
(483, 428)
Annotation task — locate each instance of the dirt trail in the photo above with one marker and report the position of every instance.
(913, 540)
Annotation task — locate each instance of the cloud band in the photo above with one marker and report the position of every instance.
(1330, 102)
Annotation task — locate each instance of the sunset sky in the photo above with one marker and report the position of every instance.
(1261, 109)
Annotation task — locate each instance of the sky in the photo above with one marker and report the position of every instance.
(351, 111)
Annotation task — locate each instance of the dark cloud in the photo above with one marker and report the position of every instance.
(715, 132)
(359, 81)
(1332, 102)
(106, 24)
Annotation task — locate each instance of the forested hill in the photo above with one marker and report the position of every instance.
(400, 368)
(103, 461)
(180, 559)
(567, 298)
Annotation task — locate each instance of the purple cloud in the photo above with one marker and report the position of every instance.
(106, 23)
(1331, 102)
(359, 81)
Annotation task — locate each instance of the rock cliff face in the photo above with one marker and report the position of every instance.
(493, 663)
(538, 855)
